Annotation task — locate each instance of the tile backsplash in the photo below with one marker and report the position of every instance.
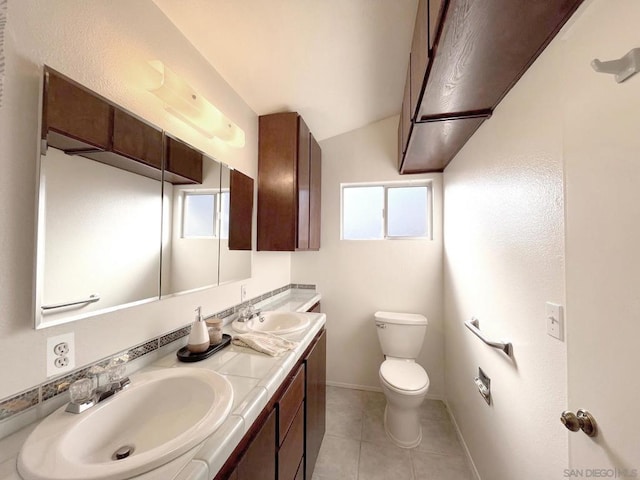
(26, 400)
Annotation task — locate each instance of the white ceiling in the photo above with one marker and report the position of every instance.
(341, 64)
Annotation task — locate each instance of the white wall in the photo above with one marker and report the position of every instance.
(504, 258)
(105, 46)
(357, 278)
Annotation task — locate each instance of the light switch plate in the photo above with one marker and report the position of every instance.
(555, 320)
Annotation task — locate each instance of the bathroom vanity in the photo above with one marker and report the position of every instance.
(277, 416)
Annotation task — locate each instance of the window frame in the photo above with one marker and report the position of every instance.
(217, 213)
(428, 184)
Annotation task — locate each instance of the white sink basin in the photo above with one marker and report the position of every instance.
(162, 415)
(278, 323)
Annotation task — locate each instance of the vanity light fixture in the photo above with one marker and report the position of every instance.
(182, 101)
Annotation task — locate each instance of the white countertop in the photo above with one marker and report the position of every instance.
(254, 376)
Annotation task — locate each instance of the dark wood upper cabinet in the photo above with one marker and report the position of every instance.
(289, 178)
(183, 164)
(477, 51)
(240, 211)
(404, 126)
(315, 193)
(81, 122)
(484, 49)
(303, 171)
(420, 54)
(74, 118)
(434, 144)
(136, 139)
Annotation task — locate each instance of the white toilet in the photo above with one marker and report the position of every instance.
(404, 382)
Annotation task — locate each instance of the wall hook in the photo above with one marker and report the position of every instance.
(622, 68)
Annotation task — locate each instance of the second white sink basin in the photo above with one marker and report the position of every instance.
(160, 416)
(275, 322)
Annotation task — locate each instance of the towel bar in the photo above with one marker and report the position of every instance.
(474, 326)
(92, 299)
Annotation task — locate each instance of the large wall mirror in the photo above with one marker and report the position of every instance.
(141, 216)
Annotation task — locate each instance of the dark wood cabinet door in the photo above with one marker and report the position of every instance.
(435, 14)
(419, 54)
(74, 118)
(289, 177)
(240, 211)
(277, 184)
(289, 404)
(315, 193)
(183, 164)
(292, 449)
(434, 144)
(404, 127)
(303, 174)
(484, 49)
(316, 400)
(259, 461)
(136, 139)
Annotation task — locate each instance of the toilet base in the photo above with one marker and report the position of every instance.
(404, 429)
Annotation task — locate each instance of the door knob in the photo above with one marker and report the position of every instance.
(581, 420)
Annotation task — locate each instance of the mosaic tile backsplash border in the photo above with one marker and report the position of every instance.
(32, 397)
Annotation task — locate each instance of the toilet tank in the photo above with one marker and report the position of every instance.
(400, 334)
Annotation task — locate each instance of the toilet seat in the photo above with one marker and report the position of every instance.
(404, 376)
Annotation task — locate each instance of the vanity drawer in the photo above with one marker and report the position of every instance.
(292, 449)
(290, 403)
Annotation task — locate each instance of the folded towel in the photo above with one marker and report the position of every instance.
(264, 343)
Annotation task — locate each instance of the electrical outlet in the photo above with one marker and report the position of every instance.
(61, 349)
(243, 293)
(61, 362)
(60, 354)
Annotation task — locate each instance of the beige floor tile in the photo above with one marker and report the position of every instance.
(345, 396)
(344, 421)
(439, 436)
(434, 409)
(384, 462)
(429, 466)
(373, 427)
(338, 459)
(374, 401)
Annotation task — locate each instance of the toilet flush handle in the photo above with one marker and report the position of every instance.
(381, 325)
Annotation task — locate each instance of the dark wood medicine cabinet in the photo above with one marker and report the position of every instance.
(78, 121)
(289, 184)
(465, 57)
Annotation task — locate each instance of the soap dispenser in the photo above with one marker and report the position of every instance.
(199, 336)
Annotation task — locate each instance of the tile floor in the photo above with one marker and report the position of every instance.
(356, 447)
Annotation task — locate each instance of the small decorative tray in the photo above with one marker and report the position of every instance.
(184, 355)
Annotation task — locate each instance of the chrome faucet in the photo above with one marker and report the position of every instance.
(247, 313)
(101, 384)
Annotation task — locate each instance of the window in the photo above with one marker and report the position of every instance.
(386, 211)
(205, 214)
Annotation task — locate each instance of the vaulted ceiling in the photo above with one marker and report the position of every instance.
(340, 63)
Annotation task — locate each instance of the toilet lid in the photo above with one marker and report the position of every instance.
(404, 374)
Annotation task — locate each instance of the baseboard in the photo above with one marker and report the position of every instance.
(369, 388)
(467, 453)
(354, 387)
